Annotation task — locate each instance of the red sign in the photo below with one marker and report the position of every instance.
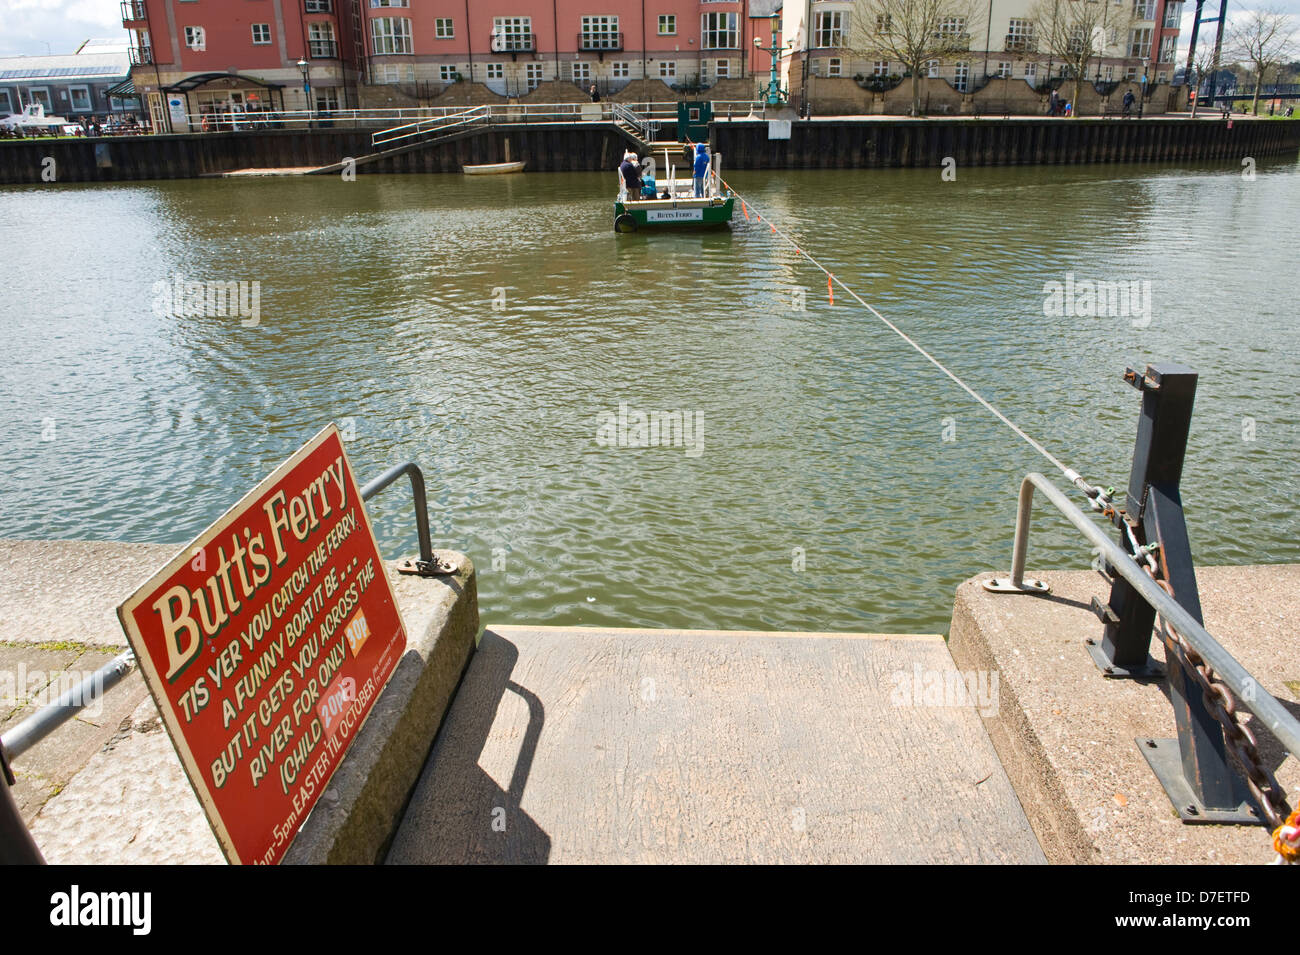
(265, 643)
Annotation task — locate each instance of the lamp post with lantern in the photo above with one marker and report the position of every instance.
(773, 94)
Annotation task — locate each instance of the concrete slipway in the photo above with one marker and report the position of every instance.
(570, 745)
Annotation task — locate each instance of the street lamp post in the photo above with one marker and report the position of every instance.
(305, 67)
(1146, 64)
(773, 94)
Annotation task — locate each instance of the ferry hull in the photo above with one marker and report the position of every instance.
(665, 214)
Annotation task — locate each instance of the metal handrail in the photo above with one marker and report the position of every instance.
(421, 502)
(1248, 690)
(47, 719)
(475, 114)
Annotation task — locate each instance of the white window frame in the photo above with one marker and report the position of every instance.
(621, 70)
(1144, 9)
(668, 69)
(447, 72)
(1173, 14)
(512, 34)
(834, 66)
(961, 76)
(391, 36)
(377, 4)
(35, 94)
(932, 68)
(600, 32)
(880, 68)
(715, 37)
(534, 76)
(318, 6)
(496, 71)
(330, 95)
(321, 31)
(582, 71)
(196, 38)
(1031, 70)
(72, 99)
(267, 28)
(1004, 69)
(667, 24)
(1139, 42)
(829, 30)
(444, 28)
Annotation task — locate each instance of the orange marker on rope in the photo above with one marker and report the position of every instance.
(773, 228)
(830, 288)
(744, 209)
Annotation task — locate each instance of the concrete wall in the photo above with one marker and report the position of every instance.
(595, 146)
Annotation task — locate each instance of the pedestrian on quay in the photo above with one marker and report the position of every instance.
(1054, 104)
(595, 96)
(1129, 100)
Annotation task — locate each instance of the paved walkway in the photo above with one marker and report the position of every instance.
(582, 745)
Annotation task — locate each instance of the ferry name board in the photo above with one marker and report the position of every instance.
(675, 215)
(265, 644)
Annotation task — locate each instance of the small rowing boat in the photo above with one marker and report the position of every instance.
(493, 169)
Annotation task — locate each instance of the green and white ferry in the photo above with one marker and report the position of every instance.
(671, 202)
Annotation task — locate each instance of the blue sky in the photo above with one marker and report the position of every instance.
(34, 27)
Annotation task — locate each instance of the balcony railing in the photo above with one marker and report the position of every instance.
(513, 43)
(600, 42)
(1019, 43)
(317, 6)
(323, 49)
(132, 10)
(141, 56)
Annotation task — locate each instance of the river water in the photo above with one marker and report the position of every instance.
(487, 328)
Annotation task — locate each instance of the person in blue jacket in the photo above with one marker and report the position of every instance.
(701, 168)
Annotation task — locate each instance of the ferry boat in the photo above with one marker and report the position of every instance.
(671, 202)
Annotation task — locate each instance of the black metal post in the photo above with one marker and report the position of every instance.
(17, 847)
(1194, 769)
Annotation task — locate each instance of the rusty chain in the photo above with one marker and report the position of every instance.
(1219, 699)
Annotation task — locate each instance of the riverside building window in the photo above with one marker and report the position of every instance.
(390, 3)
(667, 69)
(961, 76)
(317, 6)
(932, 69)
(391, 34)
(620, 71)
(534, 76)
(1140, 42)
(719, 31)
(834, 66)
(320, 40)
(444, 28)
(496, 71)
(261, 34)
(668, 26)
(830, 29)
(512, 34)
(195, 38)
(600, 33)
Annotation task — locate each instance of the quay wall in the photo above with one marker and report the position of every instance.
(591, 147)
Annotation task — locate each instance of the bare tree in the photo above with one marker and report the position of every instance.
(1076, 32)
(1264, 39)
(912, 32)
(1205, 64)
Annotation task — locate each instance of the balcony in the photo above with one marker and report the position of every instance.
(318, 6)
(513, 43)
(600, 43)
(1019, 43)
(132, 12)
(141, 56)
(323, 49)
